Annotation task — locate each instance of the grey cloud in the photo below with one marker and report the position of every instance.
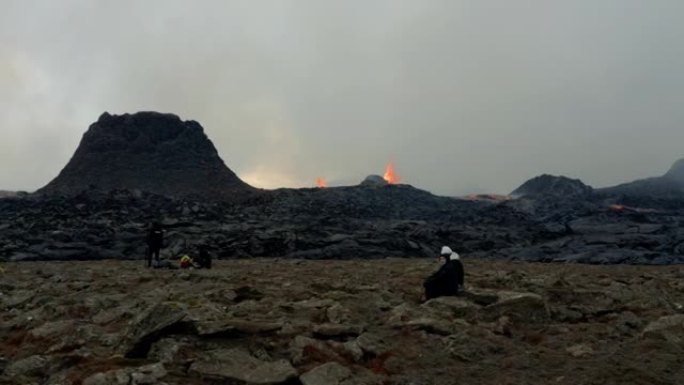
(464, 96)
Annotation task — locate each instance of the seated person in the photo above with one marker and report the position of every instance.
(448, 280)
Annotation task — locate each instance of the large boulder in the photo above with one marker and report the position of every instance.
(157, 321)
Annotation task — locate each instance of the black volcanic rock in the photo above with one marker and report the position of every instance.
(670, 185)
(152, 152)
(558, 219)
(374, 181)
(342, 223)
(552, 186)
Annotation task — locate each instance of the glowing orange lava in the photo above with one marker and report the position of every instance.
(321, 183)
(390, 176)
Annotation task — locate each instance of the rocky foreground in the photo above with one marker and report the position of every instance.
(283, 321)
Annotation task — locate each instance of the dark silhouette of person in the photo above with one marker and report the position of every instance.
(204, 259)
(448, 280)
(155, 241)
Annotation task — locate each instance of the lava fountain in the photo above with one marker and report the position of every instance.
(390, 176)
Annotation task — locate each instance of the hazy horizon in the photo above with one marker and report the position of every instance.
(462, 96)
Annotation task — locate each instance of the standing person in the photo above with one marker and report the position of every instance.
(449, 279)
(155, 241)
(204, 259)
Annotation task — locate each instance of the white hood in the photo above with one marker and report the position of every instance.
(453, 256)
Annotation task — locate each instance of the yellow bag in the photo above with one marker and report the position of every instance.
(185, 261)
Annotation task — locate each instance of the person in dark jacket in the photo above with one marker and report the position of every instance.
(155, 241)
(449, 279)
(204, 259)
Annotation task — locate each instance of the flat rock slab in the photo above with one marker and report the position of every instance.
(27, 366)
(331, 373)
(337, 330)
(304, 349)
(580, 350)
(455, 306)
(212, 328)
(54, 329)
(519, 307)
(433, 326)
(668, 328)
(238, 365)
(315, 303)
(148, 374)
(480, 297)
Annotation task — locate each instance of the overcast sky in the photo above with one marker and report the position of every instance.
(463, 96)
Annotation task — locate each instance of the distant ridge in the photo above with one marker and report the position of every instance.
(671, 184)
(550, 185)
(676, 172)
